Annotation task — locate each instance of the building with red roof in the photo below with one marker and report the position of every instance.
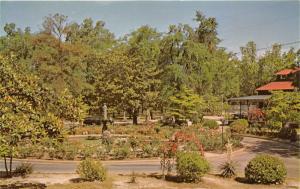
(285, 72)
(286, 80)
(279, 85)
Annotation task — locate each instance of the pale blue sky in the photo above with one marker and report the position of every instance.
(239, 22)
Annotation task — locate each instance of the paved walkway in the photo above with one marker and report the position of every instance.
(288, 153)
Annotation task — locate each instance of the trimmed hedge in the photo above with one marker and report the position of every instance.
(191, 166)
(211, 124)
(239, 126)
(265, 169)
(91, 170)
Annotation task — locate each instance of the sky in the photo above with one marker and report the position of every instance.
(264, 22)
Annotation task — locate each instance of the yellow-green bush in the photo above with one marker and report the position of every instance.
(265, 169)
(91, 170)
(239, 126)
(191, 166)
(211, 124)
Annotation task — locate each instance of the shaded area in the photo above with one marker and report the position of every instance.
(273, 147)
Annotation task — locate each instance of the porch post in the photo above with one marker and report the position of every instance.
(240, 109)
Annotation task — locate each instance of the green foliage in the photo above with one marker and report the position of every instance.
(70, 152)
(288, 133)
(147, 150)
(274, 125)
(134, 144)
(87, 152)
(211, 124)
(23, 169)
(239, 126)
(186, 105)
(122, 152)
(228, 169)
(284, 107)
(191, 166)
(265, 169)
(91, 170)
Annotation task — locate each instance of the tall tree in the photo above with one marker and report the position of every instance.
(206, 32)
(249, 69)
(95, 36)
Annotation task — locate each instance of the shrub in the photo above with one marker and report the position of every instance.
(100, 153)
(275, 125)
(24, 169)
(122, 152)
(288, 132)
(38, 151)
(239, 126)
(211, 124)
(211, 139)
(228, 169)
(91, 170)
(157, 129)
(87, 152)
(265, 169)
(24, 151)
(70, 152)
(191, 166)
(134, 144)
(147, 150)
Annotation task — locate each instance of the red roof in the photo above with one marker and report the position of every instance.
(285, 72)
(280, 85)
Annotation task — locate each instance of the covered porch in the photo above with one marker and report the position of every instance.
(241, 106)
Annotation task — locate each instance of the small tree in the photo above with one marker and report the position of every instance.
(186, 105)
(171, 147)
(284, 107)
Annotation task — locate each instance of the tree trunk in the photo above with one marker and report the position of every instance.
(10, 165)
(147, 118)
(124, 116)
(151, 114)
(135, 117)
(5, 164)
(104, 127)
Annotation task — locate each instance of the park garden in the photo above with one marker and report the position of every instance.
(52, 80)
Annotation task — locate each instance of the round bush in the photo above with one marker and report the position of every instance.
(239, 126)
(211, 124)
(265, 169)
(91, 170)
(191, 166)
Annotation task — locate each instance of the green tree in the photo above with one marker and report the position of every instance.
(95, 36)
(186, 105)
(28, 111)
(143, 47)
(284, 107)
(249, 69)
(19, 110)
(206, 32)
